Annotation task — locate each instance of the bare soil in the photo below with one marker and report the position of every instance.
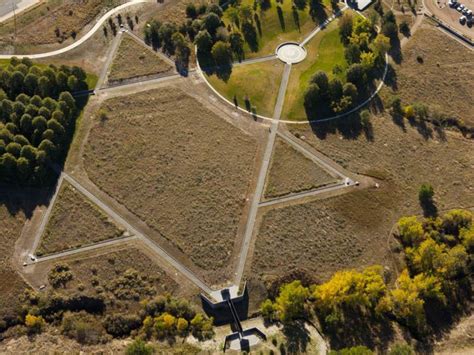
(177, 166)
(436, 72)
(291, 171)
(75, 222)
(134, 59)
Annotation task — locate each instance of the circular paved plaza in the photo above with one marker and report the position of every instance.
(291, 53)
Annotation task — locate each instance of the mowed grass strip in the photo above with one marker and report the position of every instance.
(436, 72)
(291, 171)
(134, 59)
(176, 165)
(259, 82)
(272, 31)
(75, 222)
(324, 52)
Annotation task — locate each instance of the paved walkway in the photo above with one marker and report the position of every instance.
(257, 197)
(10, 8)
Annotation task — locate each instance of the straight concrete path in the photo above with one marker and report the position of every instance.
(142, 85)
(98, 245)
(10, 8)
(262, 176)
(255, 60)
(304, 194)
(110, 57)
(84, 38)
(155, 247)
(46, 216)
(322, 26)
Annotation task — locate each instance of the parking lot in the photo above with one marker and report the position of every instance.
(451, 16)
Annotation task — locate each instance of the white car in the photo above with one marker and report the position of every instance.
(460, 8)
(462, 20)
(452, 3)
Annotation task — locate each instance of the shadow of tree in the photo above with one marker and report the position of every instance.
(297, 337)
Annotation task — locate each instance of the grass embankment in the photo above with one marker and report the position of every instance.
(134, 59)
(324, 52)
(291, 171)
(75, 222)
(274, 31)
(259, 81)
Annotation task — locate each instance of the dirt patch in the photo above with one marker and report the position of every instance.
(435, 72)
(177, 166)
(134, 59)
(75, 222)
(291, 171)
(459, 340)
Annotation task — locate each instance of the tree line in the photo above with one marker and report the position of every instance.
(37, 114)
(438, 252)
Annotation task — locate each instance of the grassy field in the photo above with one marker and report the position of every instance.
(106, 272)
(273, 33)
(51, 22)
(75, 222)
(441, 80)
(259, 81)
(291, 171)
(177, 166)
(133, 59)
(11, 284)
(352, 230)
(324, 52)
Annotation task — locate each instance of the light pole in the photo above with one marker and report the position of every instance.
(14, 22)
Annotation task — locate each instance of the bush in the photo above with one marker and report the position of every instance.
(120, 325)
(139, 347)
(83, 327)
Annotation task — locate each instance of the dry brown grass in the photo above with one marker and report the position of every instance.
(352, 230)
(12, 220)
(291, 171)
(177, 166)
(100, 275)
(75, 222)
(442, 80)
(37, 26)
(324, 236)
(134, 59)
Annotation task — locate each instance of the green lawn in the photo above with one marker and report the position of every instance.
(272, 32)
(325, 51)
(259, 81)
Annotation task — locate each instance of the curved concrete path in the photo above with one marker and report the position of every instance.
(84, 38)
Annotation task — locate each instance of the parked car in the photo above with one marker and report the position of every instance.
(452, 3)
(460, 7)
(462, 20)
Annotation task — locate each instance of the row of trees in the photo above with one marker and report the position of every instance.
(364, 52)
(438, 253)
(22, 77)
